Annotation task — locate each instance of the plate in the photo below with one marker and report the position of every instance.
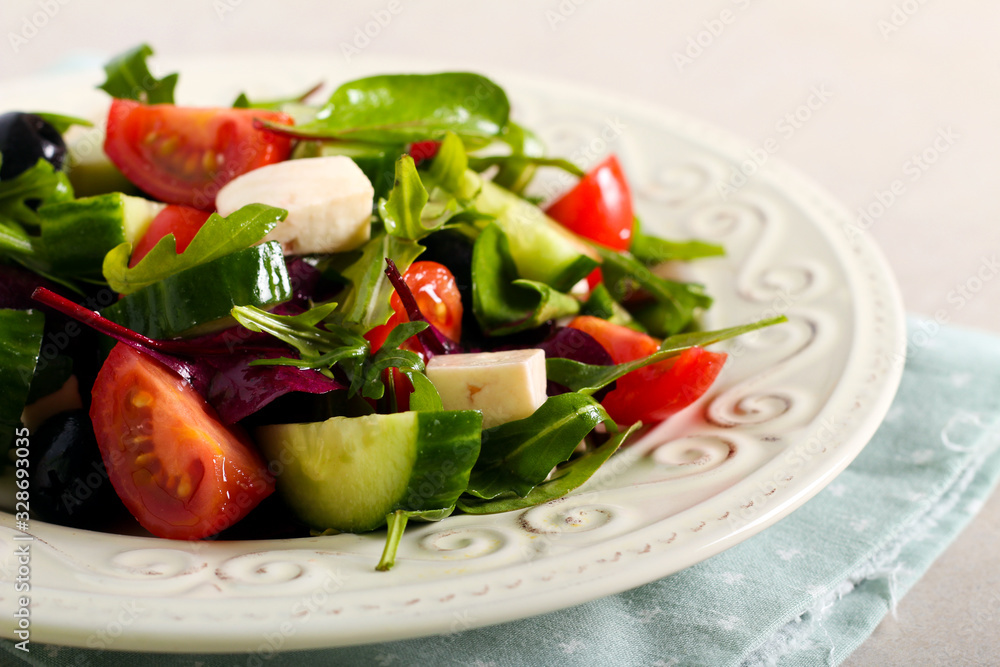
(794, 405)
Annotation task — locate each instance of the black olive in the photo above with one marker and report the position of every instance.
(69, 484)
(24, 138)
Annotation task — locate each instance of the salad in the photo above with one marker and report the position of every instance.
(287, 316)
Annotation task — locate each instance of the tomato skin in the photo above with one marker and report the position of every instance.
(181, 221)
(183, 155)
(438, 299)
(181, 473)
(599, 207)
(658, 391)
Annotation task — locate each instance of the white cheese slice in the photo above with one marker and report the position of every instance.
(504, 386)
(328, 199)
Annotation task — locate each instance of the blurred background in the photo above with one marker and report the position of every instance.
(860, 95)
(891, 105)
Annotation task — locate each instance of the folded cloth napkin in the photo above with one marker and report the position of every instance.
(806, 591)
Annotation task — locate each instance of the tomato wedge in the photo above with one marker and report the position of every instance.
(181, 221)
(181, 473)
(655, 392)
(599, 207)
(183, 155)
(438, 299)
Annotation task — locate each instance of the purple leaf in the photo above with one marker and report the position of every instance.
(237, 389)
(570, 343)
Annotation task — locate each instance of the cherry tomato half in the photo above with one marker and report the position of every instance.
(181, 221)
(181, 473)
(599, 207)
(183, 155)
(655, 392)
(437, 297)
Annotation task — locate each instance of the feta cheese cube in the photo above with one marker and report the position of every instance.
(504, 386)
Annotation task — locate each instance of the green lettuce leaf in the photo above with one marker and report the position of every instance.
(128, 78)
(217, 237)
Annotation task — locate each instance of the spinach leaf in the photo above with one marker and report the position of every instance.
(676, 301)
(502, 302)
(128, 78)
(365, 303)
(218, 237)
(401, 108)
(566, 478)
(20, 341)
(654, 250)
(425, 396)
(587, 378)
(518, 456)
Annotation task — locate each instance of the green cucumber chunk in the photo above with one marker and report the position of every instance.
(542, 249)
(350, 473)
(199, 300)
(77, 234)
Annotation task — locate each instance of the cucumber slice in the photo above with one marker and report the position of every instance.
(199, 300)
(542, 249)
(349, 473)
(77, 234)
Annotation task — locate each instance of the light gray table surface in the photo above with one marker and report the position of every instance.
(906, 94)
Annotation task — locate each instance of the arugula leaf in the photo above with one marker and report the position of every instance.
(61, 122)
(366, 377)
(20, 341)
(366, 302)
(128, 78)
(329, 345)
(587, 378)
(654, 250)
(218, 237)
(518, 456)
(402, 108)
(502, 302)
(425, 396)
(566, 478)
(318, 348)
(676, 301)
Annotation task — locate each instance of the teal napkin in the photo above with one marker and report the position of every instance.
(806, 591)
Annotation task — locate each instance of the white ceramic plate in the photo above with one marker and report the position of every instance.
(794, 405)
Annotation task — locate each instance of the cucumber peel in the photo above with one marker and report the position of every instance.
(78, 234)
(199, 300)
